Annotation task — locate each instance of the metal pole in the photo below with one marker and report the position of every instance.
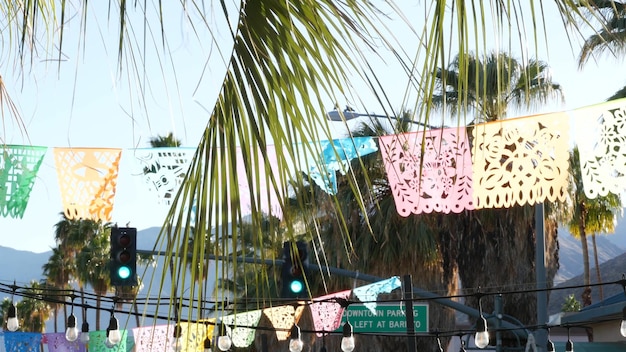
(541, 335)
(407, 285)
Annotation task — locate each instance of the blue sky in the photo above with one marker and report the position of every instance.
(88, 103)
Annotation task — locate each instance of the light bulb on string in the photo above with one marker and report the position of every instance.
(569, 345)
(439, 342)
(12, 322)
(177, 344)
(550, 344)
(108, 342)
(207, 344)
(481, 339)
(71, 333)
(84, 332)
(347, 341)
(295, 342)
(224, 341)
(114, 336)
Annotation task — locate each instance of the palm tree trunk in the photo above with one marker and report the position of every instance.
(586, 295)
(97, 312)
(595, 257)
(56, 323)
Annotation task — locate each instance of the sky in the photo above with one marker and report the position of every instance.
(84, 101)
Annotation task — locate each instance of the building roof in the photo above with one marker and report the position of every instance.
(611, 307)
(593, 346)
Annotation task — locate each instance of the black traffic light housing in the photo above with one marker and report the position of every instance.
(294, 270)
(123, 264)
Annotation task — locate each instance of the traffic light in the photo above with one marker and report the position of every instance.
(123, 263)
(294, 270)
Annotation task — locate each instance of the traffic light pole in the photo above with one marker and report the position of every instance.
(417, 292)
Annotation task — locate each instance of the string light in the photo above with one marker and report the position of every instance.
(71, 332)
(207, 344)
(224, 341)
(550, 344)
(12, 322)
(481, 339)
(295, 343)
(108, 342)
(177, 345)
(439, 342)
(569, 346)
(347, 341)
(114, 336)
(84, 330)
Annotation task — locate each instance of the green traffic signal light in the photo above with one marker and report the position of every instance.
(123, 264)
(294, 270)
(296, 286)
(123, 272)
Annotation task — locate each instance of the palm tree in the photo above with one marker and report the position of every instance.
(610, 38)
(589, 216)
(56, 272)
(495, 84)
(94, 258)
(498, 245)
(164, 141)
(34, 310)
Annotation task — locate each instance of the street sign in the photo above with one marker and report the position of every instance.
(388, 318)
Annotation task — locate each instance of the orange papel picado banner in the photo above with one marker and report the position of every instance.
(87, 181)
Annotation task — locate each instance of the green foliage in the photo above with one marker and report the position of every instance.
(571, 304)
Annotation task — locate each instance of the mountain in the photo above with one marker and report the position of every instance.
(611, 271)
(570, 253)
(21, 266)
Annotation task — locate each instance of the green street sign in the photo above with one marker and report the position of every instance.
(388, 319)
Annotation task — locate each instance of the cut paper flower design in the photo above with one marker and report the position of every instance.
(335, 157)
(241, 326)
(87, 180)
(520, 161)
(163, 170)
(369, 293)
(327, 312)
(19, 165)
(601, 139)
(429, 171)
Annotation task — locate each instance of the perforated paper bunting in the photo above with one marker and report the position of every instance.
(22, 341)
(335, 157)
(283, 318)
(520, 161)
(19, 165)
(600, 134)
(429, 171)
(163, 170)
(241, 326)
(327, 312)
(369, 293)
(58, 343)
(87, 180)
(97, 342)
